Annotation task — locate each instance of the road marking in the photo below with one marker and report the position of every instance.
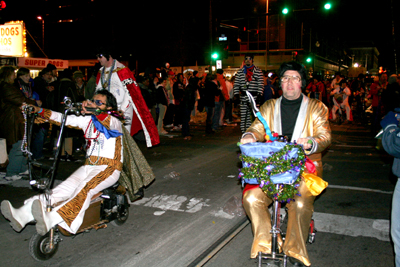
(360, 189)
(172, 202)
(324, 222)
(356, 146)
(352, 226)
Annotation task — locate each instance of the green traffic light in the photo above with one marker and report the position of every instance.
(285, 10)
(327, 6)
(308, 59)
(214, 55)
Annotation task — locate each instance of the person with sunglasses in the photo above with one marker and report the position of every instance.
(119, 80)
(302, 120)
(249, 78)
(105, 138)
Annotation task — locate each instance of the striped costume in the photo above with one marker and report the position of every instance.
(101, 170)
(254, 84)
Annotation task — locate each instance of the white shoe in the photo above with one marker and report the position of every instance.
(4, 181)
(163, 132)
(13, 178)
(24, 173)
(18, 217)
(44, 220)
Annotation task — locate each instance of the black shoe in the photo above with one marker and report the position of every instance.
(295, 262)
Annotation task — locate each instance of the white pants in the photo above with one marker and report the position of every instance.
(343, 105)
(80, 187)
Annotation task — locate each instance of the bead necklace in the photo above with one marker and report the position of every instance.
(107, 84)
(88, 139)
(24, 145)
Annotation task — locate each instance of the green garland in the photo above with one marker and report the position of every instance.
(259, 168)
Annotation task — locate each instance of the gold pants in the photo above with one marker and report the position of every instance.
(300, 211)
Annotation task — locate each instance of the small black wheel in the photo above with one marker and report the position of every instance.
(122, 215)
(39, 247)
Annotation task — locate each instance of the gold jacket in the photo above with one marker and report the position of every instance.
(312, 122)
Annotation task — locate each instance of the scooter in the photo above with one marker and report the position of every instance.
(109, 206)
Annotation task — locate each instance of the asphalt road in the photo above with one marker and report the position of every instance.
(180, 217)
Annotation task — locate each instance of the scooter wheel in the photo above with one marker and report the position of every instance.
(39, 247)
(122, 216)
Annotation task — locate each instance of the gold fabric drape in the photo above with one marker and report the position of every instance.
(136, 172)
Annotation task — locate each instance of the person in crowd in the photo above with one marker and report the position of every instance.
(376, 92)
(229, 102)
(102, 168)
(391, 144)
(249, 78)
(269, 87)
(64, 86)
(91, 83)
(80, 85)
(12, 123)
(310, 88)
(341, 99)
(202, 86)
(320, 89)
(335, 82)
(189, 99)
(23, 82)
(211, 90)
(119, 80)
(196, 77)
(54, 72)
(169, 116)
(162, 101)
(144, 82)
(220, 99)
(41, 85)
(178, 92)
(305, 121)
(391, 96)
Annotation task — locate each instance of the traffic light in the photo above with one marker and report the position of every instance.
(327, 6)
(2, 5)
(225, 51)
(309, 59)
(294, 55)
(215, 55)
(285, 10)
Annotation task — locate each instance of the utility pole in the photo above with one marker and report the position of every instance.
(394, 40)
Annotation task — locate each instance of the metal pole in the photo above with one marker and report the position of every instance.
(267, 33)
(43, 34)
(394, 40)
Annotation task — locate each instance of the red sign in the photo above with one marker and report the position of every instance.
(41, 63)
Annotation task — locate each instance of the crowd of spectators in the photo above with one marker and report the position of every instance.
(174, 100)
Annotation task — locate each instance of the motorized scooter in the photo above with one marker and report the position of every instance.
(109, 206)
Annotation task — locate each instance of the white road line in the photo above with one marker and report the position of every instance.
(360, 189)
(352, 226)
(324, 222)
(355, 146)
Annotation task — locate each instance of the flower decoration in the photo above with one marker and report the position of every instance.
(276, 164)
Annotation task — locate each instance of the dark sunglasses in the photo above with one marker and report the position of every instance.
(98, 102)
(248, 58)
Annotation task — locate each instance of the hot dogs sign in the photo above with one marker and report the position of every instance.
(13, 39)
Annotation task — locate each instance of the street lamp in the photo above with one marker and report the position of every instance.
(41, 18)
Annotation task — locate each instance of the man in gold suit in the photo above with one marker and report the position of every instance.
(305, 121)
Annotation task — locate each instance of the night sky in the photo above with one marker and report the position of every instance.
(154, 32)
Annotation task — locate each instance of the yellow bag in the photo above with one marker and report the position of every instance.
(314, 183)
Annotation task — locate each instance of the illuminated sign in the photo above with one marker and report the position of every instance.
(41, 63)
(13, 39)
(219, 64)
